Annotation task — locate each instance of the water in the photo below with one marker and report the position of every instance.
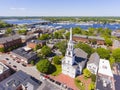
(16, 21)
(58, 25)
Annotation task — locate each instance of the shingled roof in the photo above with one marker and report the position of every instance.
(94, 58)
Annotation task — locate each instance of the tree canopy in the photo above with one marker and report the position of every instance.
(44, 37)
(116, 54)
(85, 48)
(86, 73)
(61, 46)
(103, 53)
(56, 60)
(45, 51)
(44, 66)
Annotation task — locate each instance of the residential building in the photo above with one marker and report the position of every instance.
(33, 43)
(4, 71)
(24, 54)
(20, 81)
(74, 60)
(11, 41)
(105, 79)
(93, 63)
(89, 39)
(116, 44)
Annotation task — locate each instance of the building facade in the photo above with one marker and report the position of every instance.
(11, 41)
(89, 39)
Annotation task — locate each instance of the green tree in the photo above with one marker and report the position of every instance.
(44, 37)
(67, 35)
(37, 47)
(86, 73)
(112, 61)
(32, 62)
(93, 78)
(116, 54)
(45, 51)
(23, 31)
(44, 66)
(77, 30)
(58, 35)
(85, 48)
(61, 46)
(8, 31)
(2, 50)
(103, 53)
(56, 60)
(92, 86)
(108, 41)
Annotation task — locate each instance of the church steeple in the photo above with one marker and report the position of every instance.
(70, 50)
(70, 34)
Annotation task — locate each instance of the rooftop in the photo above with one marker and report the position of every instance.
(18, 79)
(89, 37)
(22, 52)
(94, 58)
(8, 39)
(37, 41)
(104, 68)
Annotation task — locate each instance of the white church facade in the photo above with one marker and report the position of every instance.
(74, 60)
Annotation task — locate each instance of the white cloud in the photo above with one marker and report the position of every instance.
(13, 8)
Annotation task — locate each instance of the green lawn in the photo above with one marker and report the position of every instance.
(79, 84)
(58, 70)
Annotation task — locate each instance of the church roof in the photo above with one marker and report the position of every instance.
(80, 57)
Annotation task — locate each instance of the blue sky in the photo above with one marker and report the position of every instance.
(59, 7)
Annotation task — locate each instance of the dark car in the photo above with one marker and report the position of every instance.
(70, 89)
(58, 83)
(7, 58)
(14, 66)
(24, 65)
(51, 80)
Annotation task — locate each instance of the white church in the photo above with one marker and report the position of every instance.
(74, 60)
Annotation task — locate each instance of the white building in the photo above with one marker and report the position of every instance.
(93, 63)
(74, 60)
(105, 79)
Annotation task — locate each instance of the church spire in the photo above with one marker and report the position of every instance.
(70, 34)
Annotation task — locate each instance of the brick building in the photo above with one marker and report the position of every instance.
(89, 39)
(33, 43)
(4, 72)
(11, 41)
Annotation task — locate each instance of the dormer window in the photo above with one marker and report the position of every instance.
(68, 53)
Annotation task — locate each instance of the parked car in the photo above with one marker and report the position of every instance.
(24, 65)
(7, 58)
(51, 80)
(14, 66)
(58, 83)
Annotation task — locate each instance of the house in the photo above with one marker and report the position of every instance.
(116, 44)
(74, 60)
(89, 39)
(20, 81)
(24, 54)
(4, 72)
(93, 63)
(8, 42)
(105, 79)
(32, 44)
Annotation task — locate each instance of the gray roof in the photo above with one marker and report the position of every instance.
(25, 54)
(37, 41)
(99, 84)
(94, 58)
(8, 39)
(89, 37)
(18, 79)
(80, 56)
